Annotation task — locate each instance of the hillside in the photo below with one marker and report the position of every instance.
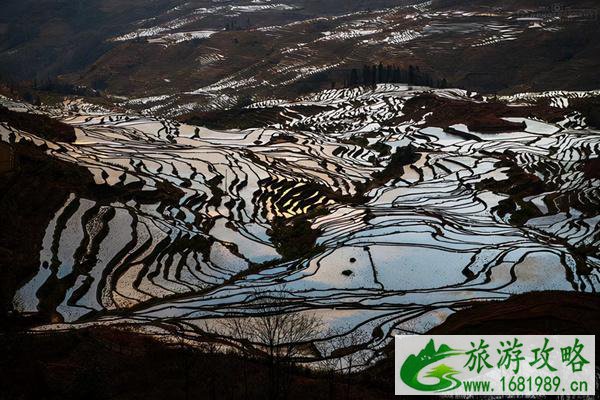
(201, 56)
(335, 203)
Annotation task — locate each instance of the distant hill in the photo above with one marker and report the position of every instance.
(176, 57)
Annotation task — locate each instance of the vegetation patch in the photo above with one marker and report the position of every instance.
(236, 118)
(382, 148)
(360, 141)
(394, 169)
(37, 124)
(590, 109)
(294, 238)
(591, 168)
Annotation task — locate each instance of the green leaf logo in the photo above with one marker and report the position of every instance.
(409, 372)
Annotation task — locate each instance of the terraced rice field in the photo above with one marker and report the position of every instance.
(393, 252)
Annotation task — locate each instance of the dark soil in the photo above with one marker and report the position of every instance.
(557, 313)
(479, 117)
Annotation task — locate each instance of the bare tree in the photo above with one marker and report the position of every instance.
(330, 365)
(347, 351)
(235, 328)
(276, 334)
(210, 348)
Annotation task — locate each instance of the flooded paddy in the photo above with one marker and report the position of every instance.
(388, 253)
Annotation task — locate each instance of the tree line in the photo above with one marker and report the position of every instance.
(237, 24)
(389, 73)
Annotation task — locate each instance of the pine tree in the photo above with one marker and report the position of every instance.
(353, 77)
